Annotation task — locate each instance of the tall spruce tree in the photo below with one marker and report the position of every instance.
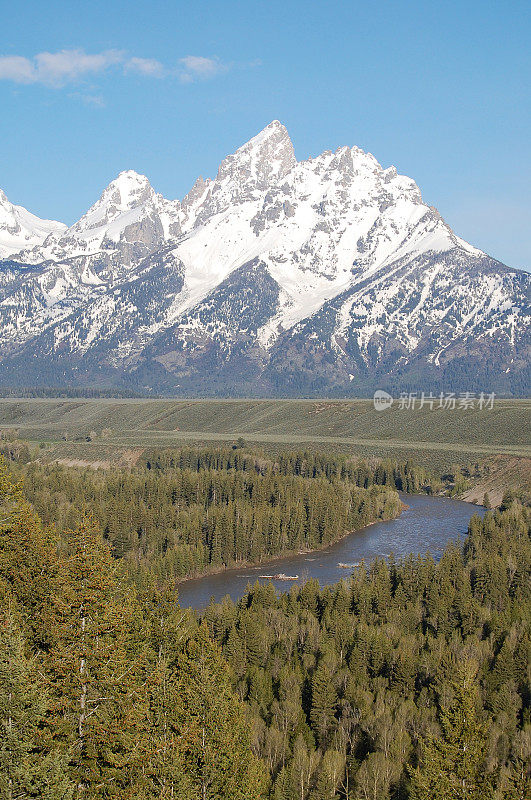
(453, 766)
(97, 707)
(27, 769)
(29, 561)
(323, 699)
(211, 727)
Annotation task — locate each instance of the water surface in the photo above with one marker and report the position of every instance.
(428, 523)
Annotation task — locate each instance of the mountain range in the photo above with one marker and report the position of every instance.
(278, 277)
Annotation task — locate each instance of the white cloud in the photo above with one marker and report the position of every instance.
(149, 67)
(57, 69)
(200, 68)
(71, 66)
(16, 68)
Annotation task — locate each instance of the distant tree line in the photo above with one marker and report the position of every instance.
(83, 392)
(405, 476)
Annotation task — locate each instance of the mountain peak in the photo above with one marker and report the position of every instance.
(275, 128)
(127, 191)
(275, 136)
(264, 159)
(131, 187)
(129, 177)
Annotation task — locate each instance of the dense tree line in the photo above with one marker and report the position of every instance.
(187, 512)
(405, 476)
(411, 680)
(84, 392)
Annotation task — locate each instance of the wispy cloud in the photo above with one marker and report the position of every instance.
(57, 69)
(200, 68)
(67, 67)
(94, 100)
(149, 67)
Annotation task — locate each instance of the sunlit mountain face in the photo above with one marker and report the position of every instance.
(277, 277)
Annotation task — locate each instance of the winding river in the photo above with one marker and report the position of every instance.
(428, 523)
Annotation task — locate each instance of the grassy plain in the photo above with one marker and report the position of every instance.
(119, 429)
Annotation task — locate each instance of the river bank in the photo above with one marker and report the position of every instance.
(426, 524)
(270, 562)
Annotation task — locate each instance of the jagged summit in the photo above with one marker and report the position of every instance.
(273, 134)
(276, 276)
(128, 221)
(127, 190)
(259, 163)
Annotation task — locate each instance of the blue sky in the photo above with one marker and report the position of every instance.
(440, 89)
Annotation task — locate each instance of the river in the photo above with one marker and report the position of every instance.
(428, 523)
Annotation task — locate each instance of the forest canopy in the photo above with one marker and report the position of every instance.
(183, 513)
(408, 681)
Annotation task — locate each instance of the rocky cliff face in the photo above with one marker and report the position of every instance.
(323, 276)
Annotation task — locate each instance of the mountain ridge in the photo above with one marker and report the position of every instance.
(281, 276)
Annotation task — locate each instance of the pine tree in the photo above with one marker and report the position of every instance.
(211, 728)
(27, 770)
(284, 788)
(453, 767)
(323, 700)
(233, 649)
(29, 562)
(254, 639)
(96, 707)
(163, 766)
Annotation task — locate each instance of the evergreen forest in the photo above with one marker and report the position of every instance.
(409, 680)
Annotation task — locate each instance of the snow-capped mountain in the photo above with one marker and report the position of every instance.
(20, 229)
(328, 275)
(128, 222)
